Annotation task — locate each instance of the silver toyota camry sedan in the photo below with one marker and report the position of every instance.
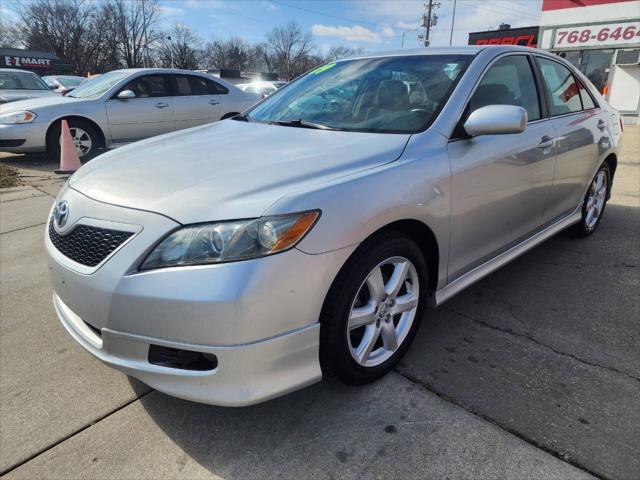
(235, 262)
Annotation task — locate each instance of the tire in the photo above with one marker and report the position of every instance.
(594, 203)
(89, 137)
(343, 354)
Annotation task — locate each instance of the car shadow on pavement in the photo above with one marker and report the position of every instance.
(545, 347)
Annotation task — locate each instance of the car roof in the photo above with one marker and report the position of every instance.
(160, 70)
(9, 70)
(462, 50)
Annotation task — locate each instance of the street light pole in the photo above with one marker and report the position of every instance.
(453, 19)
(171, 50)
(404, 32)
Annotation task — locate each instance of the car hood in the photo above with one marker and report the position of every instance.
(229, 169)
(7, 96)
(48, 99)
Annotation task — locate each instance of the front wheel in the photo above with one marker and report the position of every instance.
(594, 203)
(373, 309)
(84, 136)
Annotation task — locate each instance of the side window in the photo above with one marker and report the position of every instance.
(509, 81)
(192, 85)
(148, 86)
(561, 87)
(214, 87)
(587, 101)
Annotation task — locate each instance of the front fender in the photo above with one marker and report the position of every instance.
(414, 187)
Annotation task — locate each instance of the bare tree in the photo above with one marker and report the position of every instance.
(183, 44)
(291, 48)
(11, 36)
(68, 28)
(234, 53)
(338, 52)
(133, 21)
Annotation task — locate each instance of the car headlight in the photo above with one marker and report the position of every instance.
(24, 116)
(230, 241)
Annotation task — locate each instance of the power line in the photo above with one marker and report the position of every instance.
(338, 17)
(480, 7)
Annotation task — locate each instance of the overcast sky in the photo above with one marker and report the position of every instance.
(370, 24)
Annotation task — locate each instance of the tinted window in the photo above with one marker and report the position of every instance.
(587, 101)
(561, 87)
(148, 86)
(383, 95)
(192, 85)
(509, 81)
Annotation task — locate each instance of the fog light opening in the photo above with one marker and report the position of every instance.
(182, 359)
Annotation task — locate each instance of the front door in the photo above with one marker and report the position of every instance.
(500, 183)
(149, 113)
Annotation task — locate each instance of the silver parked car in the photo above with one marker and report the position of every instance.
(120, 107)
(238, 261)
(20, 85)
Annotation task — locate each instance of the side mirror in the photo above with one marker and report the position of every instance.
(496, 120)
(126, 95)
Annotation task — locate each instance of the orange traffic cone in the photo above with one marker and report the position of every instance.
(69, 160)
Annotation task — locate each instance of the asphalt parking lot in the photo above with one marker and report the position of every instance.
(534, 372)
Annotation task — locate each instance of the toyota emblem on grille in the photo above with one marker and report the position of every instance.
(61, 213)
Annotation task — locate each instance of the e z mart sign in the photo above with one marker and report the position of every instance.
(597, 35)
(27, 62)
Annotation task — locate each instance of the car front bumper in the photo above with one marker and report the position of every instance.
(258, 317)
(30, 136)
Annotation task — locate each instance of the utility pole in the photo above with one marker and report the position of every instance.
(429, 20)
(453, 20)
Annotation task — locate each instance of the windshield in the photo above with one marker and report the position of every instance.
(21, 81)
(97, 86)
(70, 82)
(382, 95)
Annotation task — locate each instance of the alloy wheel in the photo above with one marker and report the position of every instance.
(596, 199)
(383, 311)
(81, 141)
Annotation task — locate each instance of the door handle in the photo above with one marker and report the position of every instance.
(213, 102)
(546, 142)
(601, 124)
(162, 105)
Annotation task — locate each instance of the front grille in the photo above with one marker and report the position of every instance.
(88, 245)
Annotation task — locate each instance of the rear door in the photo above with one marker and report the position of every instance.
(500, 183)
(197, 100)
(149, 113)
(581, 130)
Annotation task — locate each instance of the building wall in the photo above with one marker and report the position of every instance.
(591, 34)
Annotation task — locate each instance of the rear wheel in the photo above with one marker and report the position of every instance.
(373, 309)
(594, 203)
(84, 136)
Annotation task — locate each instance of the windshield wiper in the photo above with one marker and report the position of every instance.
(302, 124)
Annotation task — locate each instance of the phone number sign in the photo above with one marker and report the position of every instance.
(610, 34)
